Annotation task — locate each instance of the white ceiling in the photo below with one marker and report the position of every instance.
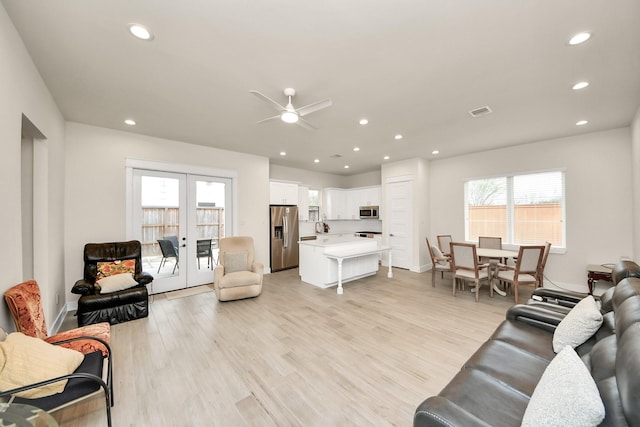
(413, 67)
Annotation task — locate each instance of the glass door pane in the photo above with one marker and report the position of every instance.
(209, 218)
(159, 222)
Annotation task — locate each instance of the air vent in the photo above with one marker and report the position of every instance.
(482, 111)
(335, 156)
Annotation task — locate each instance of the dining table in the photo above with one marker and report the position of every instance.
(496, 253)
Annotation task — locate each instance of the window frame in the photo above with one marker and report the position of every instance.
(508, 243)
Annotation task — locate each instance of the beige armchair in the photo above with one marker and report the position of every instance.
(237, 275)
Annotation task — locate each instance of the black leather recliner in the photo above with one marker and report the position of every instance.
(115, 307)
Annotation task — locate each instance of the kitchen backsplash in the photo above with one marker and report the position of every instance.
(339, 227)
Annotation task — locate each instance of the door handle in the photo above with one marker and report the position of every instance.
(391, 234)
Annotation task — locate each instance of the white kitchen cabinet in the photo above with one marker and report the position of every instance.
(369, 196)
(283, 193)
(345, 203)
(303, 203)
(335, 203)
(353, 203)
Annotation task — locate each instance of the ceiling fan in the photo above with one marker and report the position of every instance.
(289, 114)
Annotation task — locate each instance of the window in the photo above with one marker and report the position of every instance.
(522, 209)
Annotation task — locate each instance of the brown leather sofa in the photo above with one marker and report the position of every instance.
(115, 307)
(495, 385)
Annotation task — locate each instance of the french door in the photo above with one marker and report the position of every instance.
(179, 219)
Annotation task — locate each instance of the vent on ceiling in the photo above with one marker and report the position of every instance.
(335, 156)
(482, 111)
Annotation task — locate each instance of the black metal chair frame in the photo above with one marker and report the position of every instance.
(203, 249)
(168, 251)
(106, 385)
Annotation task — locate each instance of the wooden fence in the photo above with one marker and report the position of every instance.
(533, 224)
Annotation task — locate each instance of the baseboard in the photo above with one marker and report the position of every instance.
(69, 306)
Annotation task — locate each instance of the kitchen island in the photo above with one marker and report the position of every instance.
(331, 260)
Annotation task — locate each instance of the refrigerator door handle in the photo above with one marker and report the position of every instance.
(285, 226)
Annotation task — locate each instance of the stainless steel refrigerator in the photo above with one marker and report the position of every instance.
(284, 237)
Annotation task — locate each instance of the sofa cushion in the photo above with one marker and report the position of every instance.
(509, 364)
(27, 360)
(239, 278)
(582, 322)
(566, 395)
(486, 398)
(526, 337)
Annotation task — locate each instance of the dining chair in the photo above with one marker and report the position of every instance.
(444, 242)
(439, 262)
(543, 263)
(465, 267)
(490, 242)
(526, 270)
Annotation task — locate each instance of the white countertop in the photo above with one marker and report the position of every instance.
(328, 240)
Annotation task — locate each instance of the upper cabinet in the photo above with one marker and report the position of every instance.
(335, 203)
(283, 193)
(303, 203)
(345, 203)
(369, 196)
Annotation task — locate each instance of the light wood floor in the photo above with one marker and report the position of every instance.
(295, 356)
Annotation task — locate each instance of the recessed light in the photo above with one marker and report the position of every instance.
(398, 136)
(579, 38)
(581, 122)
(580, 85)
(364, 121)
(316, 161)
(130, 122)
(346, 166)
(140, 31)
(283, 153)
(435, 152)
(386, 157)
(356, 148)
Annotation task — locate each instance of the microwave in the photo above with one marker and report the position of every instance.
(369, 212)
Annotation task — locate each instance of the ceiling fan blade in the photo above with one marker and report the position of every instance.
(305, 124)
(268, 118)
(307, 109)
(266, 98)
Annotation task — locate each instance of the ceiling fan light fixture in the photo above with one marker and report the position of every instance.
(289, 117)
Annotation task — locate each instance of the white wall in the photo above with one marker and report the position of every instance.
(320, 180)
(24, 92)
(598, 185)
(95, 183)
(635, 169)
(366, 179)
(312, 179)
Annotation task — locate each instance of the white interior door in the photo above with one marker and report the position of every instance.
(399, 219)
(192, 212)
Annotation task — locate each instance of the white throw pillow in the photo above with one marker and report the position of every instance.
(438, 255)
(117, 282)
(579, 325)
(566, 395)
(27, 360)
(235, 261)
